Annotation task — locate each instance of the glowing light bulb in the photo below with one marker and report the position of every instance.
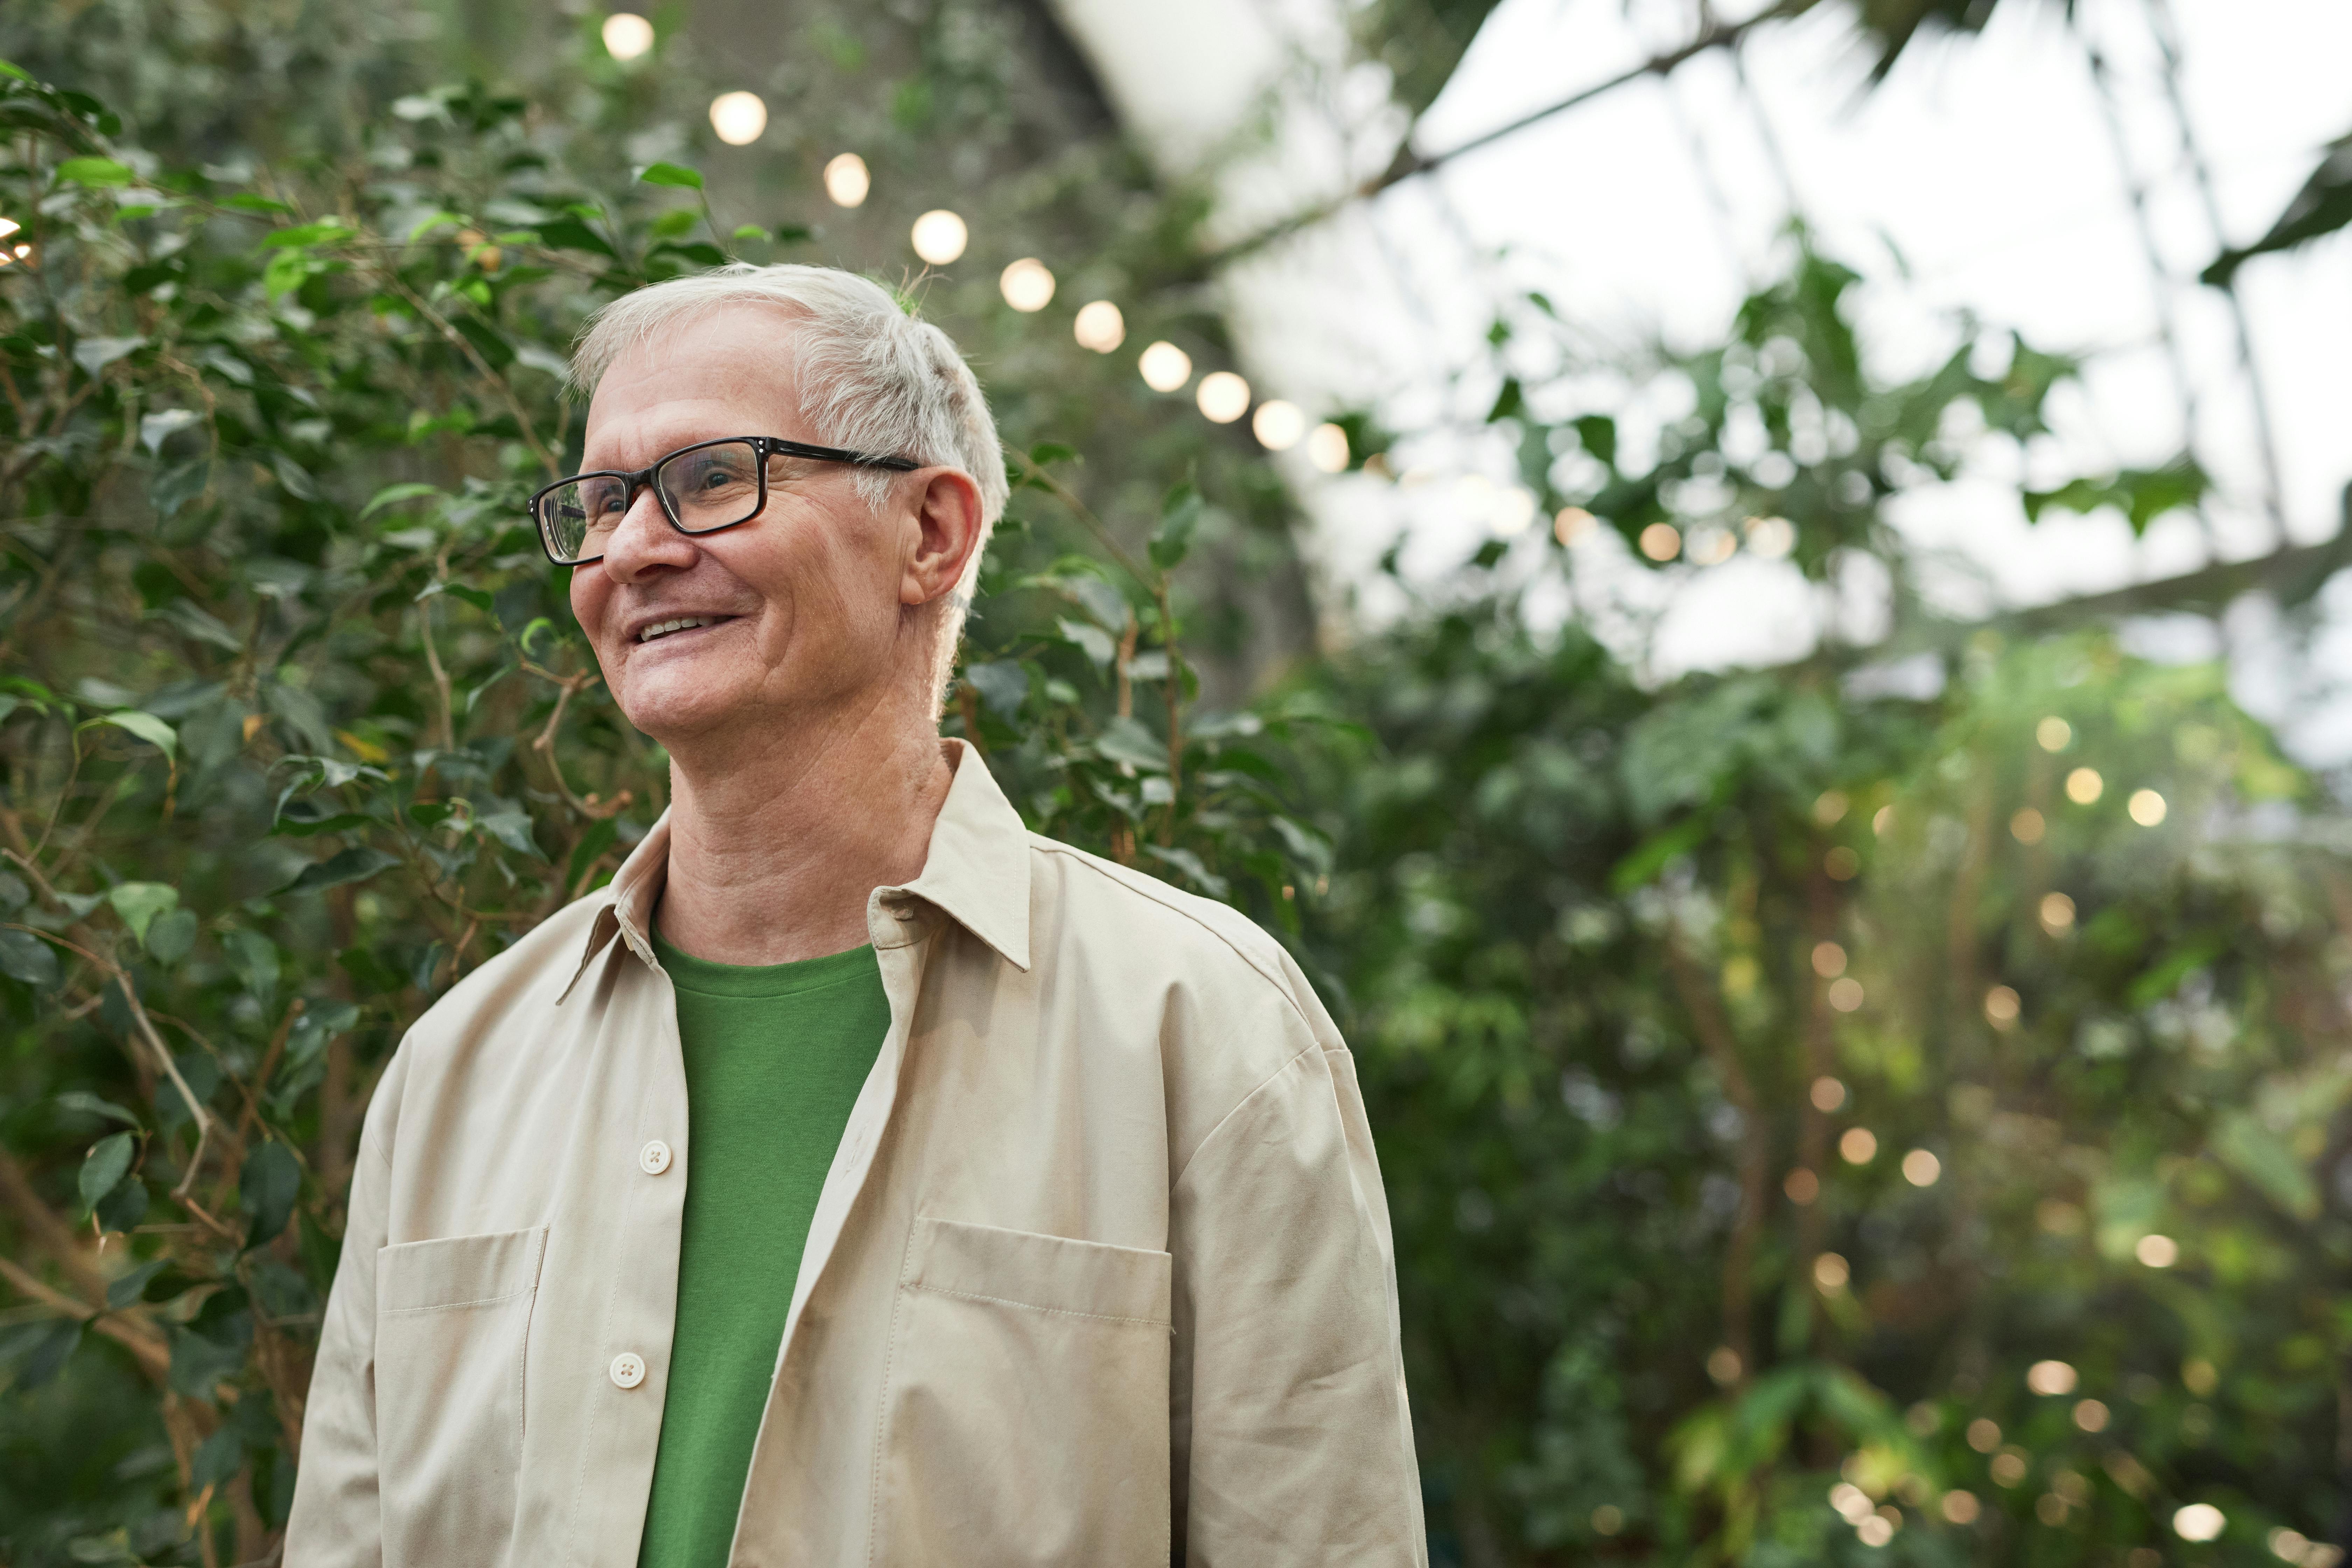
(738, 117)
(1662, 542)
(1099, 327)
(1224, 396)
(1326, 449)
(939, 236)
(628, 35)
(1165, 366)
(1026, 285)
(847, 180)
(1278, 425)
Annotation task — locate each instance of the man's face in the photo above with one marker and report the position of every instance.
(802, 603)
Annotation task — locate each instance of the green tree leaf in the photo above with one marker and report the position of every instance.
(139, 902)
(352, 864)
(267, 1186)
(108, 1161)
(670, 175)
(25, 957)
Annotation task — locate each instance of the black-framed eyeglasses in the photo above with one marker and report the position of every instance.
(702, 488)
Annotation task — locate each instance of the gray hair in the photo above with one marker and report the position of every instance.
(873, 378)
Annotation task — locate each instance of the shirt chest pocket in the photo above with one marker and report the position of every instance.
(453, 1324)
(1026, 1416)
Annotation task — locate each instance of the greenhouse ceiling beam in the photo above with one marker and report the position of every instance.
(1409, 164)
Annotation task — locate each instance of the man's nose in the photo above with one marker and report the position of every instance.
(644, 542)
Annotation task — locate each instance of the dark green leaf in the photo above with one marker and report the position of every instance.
(268, 1187)
(354, 865)
(108, 1161)
(25, 957)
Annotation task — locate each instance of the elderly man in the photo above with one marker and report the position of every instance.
(858, 1179)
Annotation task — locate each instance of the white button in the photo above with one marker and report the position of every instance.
(628, 1370)
(654, 1158)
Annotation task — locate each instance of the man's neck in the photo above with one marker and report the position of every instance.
(774, 849)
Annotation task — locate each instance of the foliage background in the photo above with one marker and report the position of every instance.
(294, 728)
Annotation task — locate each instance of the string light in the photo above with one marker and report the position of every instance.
(1164, 367)
(939, 236)
(1026, 285)
(2054, 732)
(2147, 808)
(2057, 912)
(2157, 1251)
(1827, 1094)
(628, 35)
(1832, 1273)
(1829, 960)
(2001, 1006)
(1100, 327)
(1921, 1169)
(1277, 425)
(2027, 827)
(1662, 542)
(1571, 523)
(1326, 449)
(738, 117)
(1859, 1146)
(1802, 1187)
(2083, 785)
(846, 181)
(1224, 396)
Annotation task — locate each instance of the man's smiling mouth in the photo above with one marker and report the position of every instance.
(678, 624)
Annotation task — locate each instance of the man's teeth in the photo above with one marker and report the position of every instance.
(683, 622)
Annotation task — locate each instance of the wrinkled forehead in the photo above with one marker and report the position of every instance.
(728, 370)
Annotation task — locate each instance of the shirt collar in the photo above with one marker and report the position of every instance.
(975, 869)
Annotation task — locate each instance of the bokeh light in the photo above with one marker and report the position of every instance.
(2027, 826)
(1164, 367)
(1027, 284)
(1513, 510)
(1224, 396)
(1099, 326)
(1859, 1146)
(1832, 1273)
(738, 117)
(628, 35)
(2157, 1251)
(1827, 1094)
(1961, 1507)
(1278, 425)
(2085, 785)
(1921, 1168)
(1662, 542)
(2057, 912)
(846, 181)
(2001, 1006)
(2147, 808)
(939, 235)
(1770, 537)
(1845, 994)
(2054, 732)
(2049, 1377)
(1829, 960)
(2199, 1521)
(1326, 449)
(1571, 523)
(1801, 1185)
(2090, 1416)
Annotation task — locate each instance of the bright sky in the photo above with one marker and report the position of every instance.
(1990, 166)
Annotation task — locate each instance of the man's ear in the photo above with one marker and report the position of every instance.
(947, 519)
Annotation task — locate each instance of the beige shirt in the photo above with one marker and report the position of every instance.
(1101, 1272)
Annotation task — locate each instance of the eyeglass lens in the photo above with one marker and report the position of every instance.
(703, 489)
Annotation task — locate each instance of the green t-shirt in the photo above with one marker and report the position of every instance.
(774, 1058)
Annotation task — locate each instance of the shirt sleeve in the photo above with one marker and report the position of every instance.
(1291, 1442)
(337, 1519)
